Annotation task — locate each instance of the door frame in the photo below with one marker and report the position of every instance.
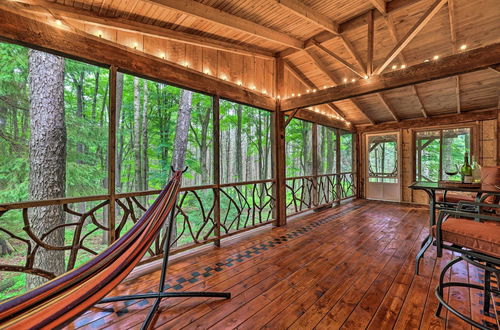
(399, 162)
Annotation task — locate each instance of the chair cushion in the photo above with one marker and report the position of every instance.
(479, 236)
(453, 197)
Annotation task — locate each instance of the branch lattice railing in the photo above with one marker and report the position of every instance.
(203, 214)
(304, 193)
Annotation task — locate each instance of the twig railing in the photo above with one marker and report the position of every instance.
(305, 193)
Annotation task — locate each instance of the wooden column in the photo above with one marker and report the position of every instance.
(337, 164)
(357, 166)
(314, 132)
(216, 165)
(112, 154)
(279, 157)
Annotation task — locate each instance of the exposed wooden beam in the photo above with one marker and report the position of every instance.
(71, 43)
(394, 36)
(369, 57)
(473, 60)
(207, 13)
(323, 68)
(309, 84)
(353, 23)
(422, 107)
(380, 5)
(469, 116)
(495, 68)
(339, 59)
(387, 106)
(123, 24)
(352, 51)
(311, 15)
(426, 17)
(457, 93)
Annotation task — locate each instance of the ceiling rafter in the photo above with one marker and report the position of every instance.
(223, 18)
(339, 59)
(464, 62)
(394, 36)
(352, 51)
(370, 40)
(387, 106)
(311, 15)
(421, 23)
(309, 84)
(123, 24)
(380, 6)
(322, 67)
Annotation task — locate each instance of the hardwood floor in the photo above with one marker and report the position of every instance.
(351, 267)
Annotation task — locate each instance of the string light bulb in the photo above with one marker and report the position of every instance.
(436, 57)
(403, 66)
(394, 67)
(345, 80)
(463, 47)
(58, 22)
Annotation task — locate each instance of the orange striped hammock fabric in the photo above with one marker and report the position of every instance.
(64, 298)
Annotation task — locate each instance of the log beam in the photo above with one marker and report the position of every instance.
(380, 6)
(441, 120)
(123, 24)
(311, 15)
(473, 60)
(65, 41)
(210, 14)
(388, 107)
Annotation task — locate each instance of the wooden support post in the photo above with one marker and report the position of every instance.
(279, 157)
(358, 164)
(112, 154)
(337, 165)
(314, 132)
(216, 165)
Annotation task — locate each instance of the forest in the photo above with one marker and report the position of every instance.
(54, 123)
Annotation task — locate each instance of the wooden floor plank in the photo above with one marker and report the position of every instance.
(350, 266)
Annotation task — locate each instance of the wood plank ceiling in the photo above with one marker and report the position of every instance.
(324, 43)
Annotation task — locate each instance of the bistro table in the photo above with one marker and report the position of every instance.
(481, 192)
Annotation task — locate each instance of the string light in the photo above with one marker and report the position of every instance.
(366, 77)
(426, 60)
(58, 22)
(345, 80)
(207, 71)
(293, 94)
(186, 64)
(436, 57)
(223, 77)
(307, 91)
(264, 91)
(239, 82)
(463, 47)
(253, 87)
(394, 67)
(403, 66)
(314, 90)
(135, 45)
(99, 34)
(353, 80)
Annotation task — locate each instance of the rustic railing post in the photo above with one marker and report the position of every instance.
(278, 143)
(216, 165)
(112, 154)
(315, 197)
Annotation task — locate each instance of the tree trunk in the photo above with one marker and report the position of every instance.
(137, 136)
(47, 157)
(181, 137)
(119, 154)
(239, 160)
(330, 151)
(96, 91)
(182, 130)
(145, 168)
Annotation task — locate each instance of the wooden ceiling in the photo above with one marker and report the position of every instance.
(324, 43)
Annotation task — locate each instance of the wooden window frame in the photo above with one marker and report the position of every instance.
(474, 143)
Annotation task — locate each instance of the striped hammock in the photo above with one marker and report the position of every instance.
(63, 299)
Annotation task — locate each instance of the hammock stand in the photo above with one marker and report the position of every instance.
(161, 294)
(63, 299)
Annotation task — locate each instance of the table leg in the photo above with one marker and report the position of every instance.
(432, 220)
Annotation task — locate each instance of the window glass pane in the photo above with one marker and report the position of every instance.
(298, 148)
(346, 150)
(327, 150)
(245, 144)
(149, 116)
(64, 127)
(427, 156)
(383, 158)
(456, 142)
